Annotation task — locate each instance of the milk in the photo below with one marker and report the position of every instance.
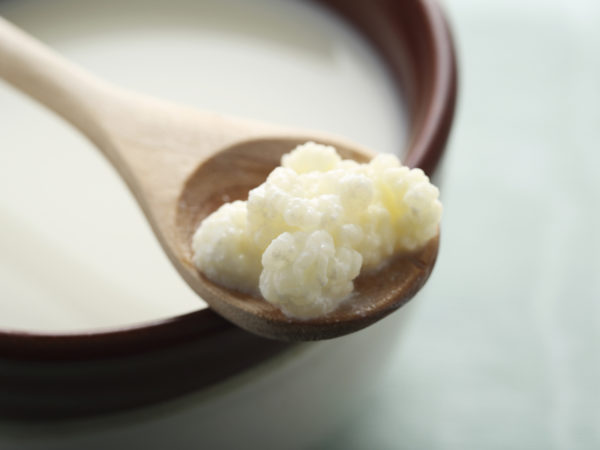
(76, 253)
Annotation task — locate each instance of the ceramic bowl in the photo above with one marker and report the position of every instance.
(196, 376)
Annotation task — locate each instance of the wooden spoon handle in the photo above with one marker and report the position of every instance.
(60, 85)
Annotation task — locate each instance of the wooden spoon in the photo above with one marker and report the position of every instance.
(181, 164)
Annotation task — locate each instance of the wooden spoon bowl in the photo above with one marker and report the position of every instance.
(228, 176)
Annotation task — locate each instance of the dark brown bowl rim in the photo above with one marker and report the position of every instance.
(431, 68)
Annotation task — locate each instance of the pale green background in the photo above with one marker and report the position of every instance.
(504, 352)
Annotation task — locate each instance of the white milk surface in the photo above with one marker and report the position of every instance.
(75, 250)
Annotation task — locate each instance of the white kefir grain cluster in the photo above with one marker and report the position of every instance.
(305, 234)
